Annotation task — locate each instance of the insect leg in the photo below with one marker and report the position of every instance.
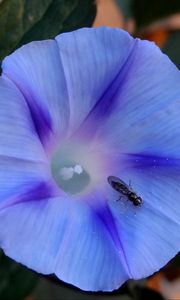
(122, 197)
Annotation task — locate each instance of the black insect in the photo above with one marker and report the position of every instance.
(121, 187)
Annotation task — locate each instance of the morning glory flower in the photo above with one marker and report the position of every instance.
(90, 104)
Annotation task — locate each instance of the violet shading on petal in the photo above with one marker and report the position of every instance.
(40, 191)
(145, 160)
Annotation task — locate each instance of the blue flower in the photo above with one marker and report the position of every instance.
(90, 104)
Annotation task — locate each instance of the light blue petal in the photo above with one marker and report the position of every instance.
(17, 177)
(156, 135)
(22, 158)
(18, 138)
(62, 236)
(149, 233)
(91, 59)
(142, 102)
(37, 71)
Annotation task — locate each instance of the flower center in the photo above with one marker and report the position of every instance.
(76, 168)
(71, 177)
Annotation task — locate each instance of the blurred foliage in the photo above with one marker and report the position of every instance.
(146, 294)
(22, 21)
(175, 262)
(57, 290)
(16, 281)
(172, 270)
(146, 11)
(139, 291)
(172, 47)
(47, 290)
(126, 7)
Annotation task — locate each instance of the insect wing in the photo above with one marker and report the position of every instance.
(115, 179)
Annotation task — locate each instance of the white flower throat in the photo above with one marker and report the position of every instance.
(76, 167)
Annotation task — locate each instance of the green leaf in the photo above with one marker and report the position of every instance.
(16, 281)
(22, 21)
(17, 17)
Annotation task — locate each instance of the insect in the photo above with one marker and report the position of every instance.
(123, 188)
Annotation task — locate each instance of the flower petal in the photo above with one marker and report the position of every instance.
(150, 232)
(18, 137)
(62, 236)
(154, 138)
(149, 83)
(91, 60)
(17, 176)
(22, 158)
(37, 71)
